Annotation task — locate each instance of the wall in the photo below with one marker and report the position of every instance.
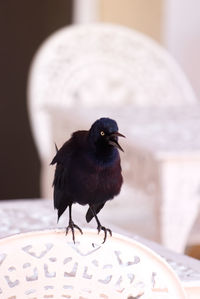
(181, 36)
(173, 23)
(142, 15)
(23, 26)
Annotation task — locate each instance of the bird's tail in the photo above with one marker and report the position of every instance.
(96, 210)
(61, 211)
(89, 215)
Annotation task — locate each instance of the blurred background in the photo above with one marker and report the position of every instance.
(24, 26)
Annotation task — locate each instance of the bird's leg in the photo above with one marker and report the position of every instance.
(72, 225)
(100, 227)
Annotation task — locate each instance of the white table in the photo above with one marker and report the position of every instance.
(166, 159)
(28, 215)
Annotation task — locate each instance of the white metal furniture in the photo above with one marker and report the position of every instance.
(47, 264)
(42, 260)
(87, 71)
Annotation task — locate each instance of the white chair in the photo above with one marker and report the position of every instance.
(47, 264)
(84, 72)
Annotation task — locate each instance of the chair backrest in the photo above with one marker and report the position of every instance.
(99, 66)
(47, 264)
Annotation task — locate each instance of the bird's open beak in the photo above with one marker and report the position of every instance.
(113, 140)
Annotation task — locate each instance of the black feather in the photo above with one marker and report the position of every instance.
(56, 147)
(97, 208)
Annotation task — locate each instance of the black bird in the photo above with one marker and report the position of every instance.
(88, 171)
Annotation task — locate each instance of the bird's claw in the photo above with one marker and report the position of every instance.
(72, 226)
(105, 229)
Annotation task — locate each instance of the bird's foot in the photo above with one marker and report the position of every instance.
(106, 230)
(72, 226)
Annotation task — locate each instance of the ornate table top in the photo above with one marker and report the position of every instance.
(29, 215)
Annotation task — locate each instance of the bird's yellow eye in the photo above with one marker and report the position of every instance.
(102, 133)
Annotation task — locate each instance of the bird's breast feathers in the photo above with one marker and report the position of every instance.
(93, 182)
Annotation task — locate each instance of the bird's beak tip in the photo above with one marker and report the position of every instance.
(119, 134)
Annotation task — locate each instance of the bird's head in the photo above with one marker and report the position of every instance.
(104, 133)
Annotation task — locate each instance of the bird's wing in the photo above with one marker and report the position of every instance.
(62, 161)
(96, 208)
(61, 200)
(73, 144)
